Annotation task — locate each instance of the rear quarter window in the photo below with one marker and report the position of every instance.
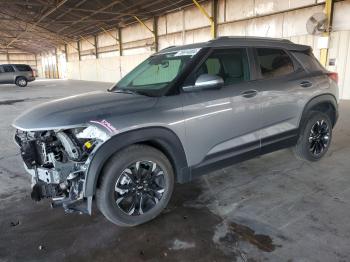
(23, 68)
(309, 61)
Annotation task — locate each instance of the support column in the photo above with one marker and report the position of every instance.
(214, 17)
(57, 68)
(211, 18)
(66, 52)
(95, 45)
(120, 41)
(329, 9)
(155, 33)
(7, 56)
(79, 55)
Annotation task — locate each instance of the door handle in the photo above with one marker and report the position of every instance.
(249, 93)
(305, 84)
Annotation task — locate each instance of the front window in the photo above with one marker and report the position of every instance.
(230, 64)
(156, 73)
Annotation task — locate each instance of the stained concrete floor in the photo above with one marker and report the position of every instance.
(272, 208)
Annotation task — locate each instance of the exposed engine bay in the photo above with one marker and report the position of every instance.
(57, 161)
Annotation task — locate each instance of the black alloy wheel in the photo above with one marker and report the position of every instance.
(319, 137)
(140, 187)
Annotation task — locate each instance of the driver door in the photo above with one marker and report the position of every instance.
(223, 122)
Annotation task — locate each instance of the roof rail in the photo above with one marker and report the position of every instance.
(168, 47)
(252, 38)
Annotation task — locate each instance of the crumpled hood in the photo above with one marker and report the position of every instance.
(77, 110)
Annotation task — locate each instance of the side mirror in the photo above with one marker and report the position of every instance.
(205, 81)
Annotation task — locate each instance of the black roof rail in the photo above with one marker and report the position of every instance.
(252, 38)
(168, 47)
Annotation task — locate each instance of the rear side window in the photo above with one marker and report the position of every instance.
(23, 68)
(8, 69)
(274, 62)
(1, 69)
(309, 61)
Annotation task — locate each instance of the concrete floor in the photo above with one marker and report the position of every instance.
(272, 208)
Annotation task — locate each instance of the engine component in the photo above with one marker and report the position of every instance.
(42, 190)
(56, 161)
(29, 153)
(70, 147)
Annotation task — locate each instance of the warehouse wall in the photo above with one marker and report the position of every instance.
(14, 56)
(270, 18)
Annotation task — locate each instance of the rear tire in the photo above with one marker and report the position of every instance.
(315, 137)
(136, 185)
(21, 82)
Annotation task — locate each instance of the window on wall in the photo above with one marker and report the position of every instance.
(230, 64)
(274, 62)
(8, 69)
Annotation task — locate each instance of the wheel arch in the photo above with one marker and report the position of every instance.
(325, 103)
(20, 77)
(160, 138)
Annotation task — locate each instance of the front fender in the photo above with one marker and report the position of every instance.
(162, 138)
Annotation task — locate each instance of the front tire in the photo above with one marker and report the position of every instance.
(315, 137)
(136, 185)
(21, 82)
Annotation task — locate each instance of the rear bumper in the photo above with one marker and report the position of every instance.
(31, 78)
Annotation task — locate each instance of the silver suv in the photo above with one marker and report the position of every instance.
(16, 74)
(183, 112)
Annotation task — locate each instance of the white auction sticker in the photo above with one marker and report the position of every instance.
(185, 52)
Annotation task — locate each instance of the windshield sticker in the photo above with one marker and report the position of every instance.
(106, 125)
(186, 52)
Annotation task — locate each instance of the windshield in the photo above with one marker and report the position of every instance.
(154, 74)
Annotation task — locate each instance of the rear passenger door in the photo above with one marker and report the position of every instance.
(2, 75)
(280, 79)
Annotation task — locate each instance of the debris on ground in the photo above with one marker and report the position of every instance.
(180, 245)
(14, 223)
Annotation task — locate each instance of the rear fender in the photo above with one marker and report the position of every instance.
(317, 101)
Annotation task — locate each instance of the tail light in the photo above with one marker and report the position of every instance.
(333, 76)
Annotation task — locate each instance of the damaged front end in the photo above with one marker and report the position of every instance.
(57, 161)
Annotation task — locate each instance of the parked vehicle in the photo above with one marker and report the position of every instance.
(183, 112)
(16, 74)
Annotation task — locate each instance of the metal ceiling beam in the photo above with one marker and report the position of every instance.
(70, 9)
(45, 30)
(38, 21)
(22, 3)
(130, 9)
(103, 12)
(88, 16)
